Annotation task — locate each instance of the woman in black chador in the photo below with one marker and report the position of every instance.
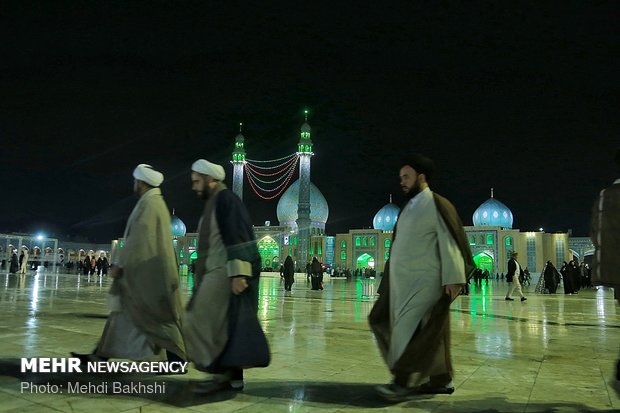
(552, 278)
(567, 278)
(288, 272)
(316, 274)
(14, 266)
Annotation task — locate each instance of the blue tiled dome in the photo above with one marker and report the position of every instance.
(385, 219)
(177, 226)
(287, 206)
(493, 213)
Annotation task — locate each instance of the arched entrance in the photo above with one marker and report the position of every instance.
(365, 261)
(268, 250)
(192, 257)
(484, 261)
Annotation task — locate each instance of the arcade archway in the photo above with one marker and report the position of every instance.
(484, 261)
(365, 261)
(269, 252)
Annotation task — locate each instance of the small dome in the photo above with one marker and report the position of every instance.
(240, 138)
(493, 213)
(385, 218)
(305, 127)
(287, 206)
(177, 226)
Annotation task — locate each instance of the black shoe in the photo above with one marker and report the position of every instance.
(85, 358)
(509, 299)
(523, 298)
(427, 388)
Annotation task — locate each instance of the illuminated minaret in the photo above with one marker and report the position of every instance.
(238, 161)
(304, 150)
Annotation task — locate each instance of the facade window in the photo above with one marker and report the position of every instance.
(181, 254)
(195, 242)
(489, 239)
(386, 255)
(320, 250)
(120, 244)
(387, 243)
(508, 241)
(372, 241)
(559, 252)
(365, 241)
(290, 252)
(358, 241)
(343, 244)
(531, 253)
(472, 241)
(343, 255)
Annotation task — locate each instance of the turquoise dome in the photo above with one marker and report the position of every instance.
(177, 226)
(287, 207)
(493, 213)
(385, 219)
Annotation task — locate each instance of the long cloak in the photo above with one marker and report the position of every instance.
(150, 301)
(226, 248)
(411, 317)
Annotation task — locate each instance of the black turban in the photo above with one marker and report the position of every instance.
(421, 164)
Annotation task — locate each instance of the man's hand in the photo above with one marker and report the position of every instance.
(453, 290)
(239, 284)
(116, 272)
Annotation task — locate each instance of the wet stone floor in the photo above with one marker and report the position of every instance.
(551, 353)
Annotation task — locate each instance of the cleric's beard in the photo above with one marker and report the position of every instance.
(412, 192)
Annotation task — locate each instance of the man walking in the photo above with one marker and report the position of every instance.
(514, 275)
(221, 327)
(605, 234)
(145, 301)
(428, 265)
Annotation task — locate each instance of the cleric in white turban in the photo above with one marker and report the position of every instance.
(147, 174)
(145, 303)
(204, 167)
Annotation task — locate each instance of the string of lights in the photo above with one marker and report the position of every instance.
(280, 187)
(284, 167)
(272, 160)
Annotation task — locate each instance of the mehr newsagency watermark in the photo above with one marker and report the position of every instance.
(48, 365)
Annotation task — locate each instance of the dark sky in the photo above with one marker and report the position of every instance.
(519, 96)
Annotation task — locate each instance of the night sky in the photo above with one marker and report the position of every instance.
(518, 96)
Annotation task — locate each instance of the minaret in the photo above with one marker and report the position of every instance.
(238, 161)
(304, 150)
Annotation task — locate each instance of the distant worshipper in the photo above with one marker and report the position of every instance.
(605, 235)
(221, 328)
(144, 300)
(102, 264)
(513, 277)
(13, 266)
(411, 318)
(23, 260)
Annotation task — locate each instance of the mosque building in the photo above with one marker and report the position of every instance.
(303, 211)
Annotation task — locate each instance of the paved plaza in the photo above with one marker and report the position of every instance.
(551, 353)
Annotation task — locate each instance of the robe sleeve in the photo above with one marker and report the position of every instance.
(452, 262)
(237, 234)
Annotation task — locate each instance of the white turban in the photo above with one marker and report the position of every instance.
(202, 166)
(146, 173)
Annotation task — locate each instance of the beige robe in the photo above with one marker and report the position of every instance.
(424, 258)
(148, 291)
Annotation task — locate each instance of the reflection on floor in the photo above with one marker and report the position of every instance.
(551, 353)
